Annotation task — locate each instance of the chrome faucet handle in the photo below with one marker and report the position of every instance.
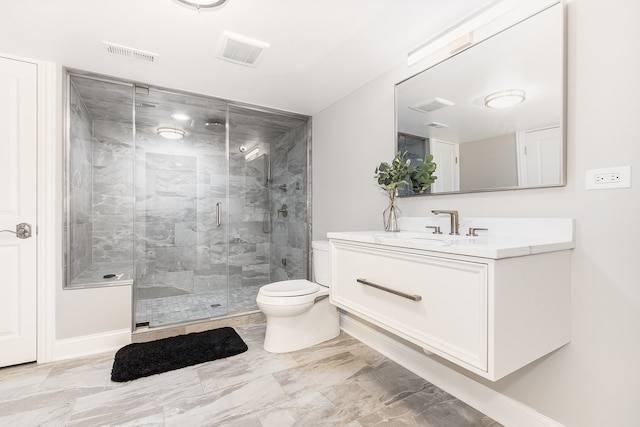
(472, 231)
(436, 229)
(455, 224)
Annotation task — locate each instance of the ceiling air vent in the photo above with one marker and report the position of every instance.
(431, 105)
(241, 50)
(129, 52)
(436, 125)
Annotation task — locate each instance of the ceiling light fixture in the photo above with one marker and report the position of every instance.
(171, 133)
(504, 98)
(203, 4)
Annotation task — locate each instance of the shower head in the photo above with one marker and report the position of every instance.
(215, 125)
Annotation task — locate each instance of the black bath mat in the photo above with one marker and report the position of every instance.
(149, 358)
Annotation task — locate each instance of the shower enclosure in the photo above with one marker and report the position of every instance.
(197, 201)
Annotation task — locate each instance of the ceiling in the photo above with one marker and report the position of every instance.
(319, 51)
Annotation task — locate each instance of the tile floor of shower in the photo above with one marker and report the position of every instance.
(174, 309)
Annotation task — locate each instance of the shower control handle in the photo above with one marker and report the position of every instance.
(218, 215)
(284, 210)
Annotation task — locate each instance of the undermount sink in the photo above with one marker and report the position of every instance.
(445, 239)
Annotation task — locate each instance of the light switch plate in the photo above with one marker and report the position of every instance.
(605, 178)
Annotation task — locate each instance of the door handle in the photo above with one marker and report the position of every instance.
(23, 231)
(218, 215)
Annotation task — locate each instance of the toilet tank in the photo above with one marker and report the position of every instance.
(320, 257)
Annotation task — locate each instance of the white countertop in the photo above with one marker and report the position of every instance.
(515, 241)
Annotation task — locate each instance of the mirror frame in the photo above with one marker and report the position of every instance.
(562, 76)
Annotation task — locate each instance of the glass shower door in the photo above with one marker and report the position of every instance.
(181, 199)
(268, 221)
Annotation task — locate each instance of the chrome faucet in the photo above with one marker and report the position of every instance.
(454, 220)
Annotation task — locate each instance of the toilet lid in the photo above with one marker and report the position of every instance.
(289, 288)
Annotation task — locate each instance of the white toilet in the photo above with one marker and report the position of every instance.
(298, 312)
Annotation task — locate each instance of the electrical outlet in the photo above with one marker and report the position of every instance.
(618, 177)
(607, 177)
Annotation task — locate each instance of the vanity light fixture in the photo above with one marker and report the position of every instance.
(459, 36)
(504, 98)
(203, 4)
(171, 133)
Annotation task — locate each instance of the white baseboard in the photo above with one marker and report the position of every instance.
(501, 408)
(91, 344)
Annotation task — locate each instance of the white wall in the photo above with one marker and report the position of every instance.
(477, 155)
(92, 311)
(595, 380)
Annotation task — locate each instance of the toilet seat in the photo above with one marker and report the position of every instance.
(289, 288)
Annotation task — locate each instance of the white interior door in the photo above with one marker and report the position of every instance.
(540, 157)
(445, 155)
(18, 136)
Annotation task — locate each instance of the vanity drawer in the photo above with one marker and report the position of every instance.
(439, 304)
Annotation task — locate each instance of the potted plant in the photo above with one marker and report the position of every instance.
(399, 172)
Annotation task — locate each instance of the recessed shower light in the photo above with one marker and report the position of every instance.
(180, 116)
(171, 133)
(505, 98)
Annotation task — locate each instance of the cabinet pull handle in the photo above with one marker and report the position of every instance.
(392, 291)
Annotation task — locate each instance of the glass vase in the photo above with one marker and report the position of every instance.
(390, 216)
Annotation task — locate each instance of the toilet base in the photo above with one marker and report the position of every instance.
(291, 333)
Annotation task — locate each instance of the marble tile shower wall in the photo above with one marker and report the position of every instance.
(289, 240)
(248, 206)
(79, 181)
(112, 206)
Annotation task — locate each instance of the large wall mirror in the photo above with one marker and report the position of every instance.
(456, 110)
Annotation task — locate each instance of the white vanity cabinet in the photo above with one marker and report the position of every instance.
(490, 316)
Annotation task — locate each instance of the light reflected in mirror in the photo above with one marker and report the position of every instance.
(456, 111)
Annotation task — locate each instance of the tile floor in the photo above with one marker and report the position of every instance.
(338, 383)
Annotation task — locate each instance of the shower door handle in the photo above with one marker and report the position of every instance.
(218, 216)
